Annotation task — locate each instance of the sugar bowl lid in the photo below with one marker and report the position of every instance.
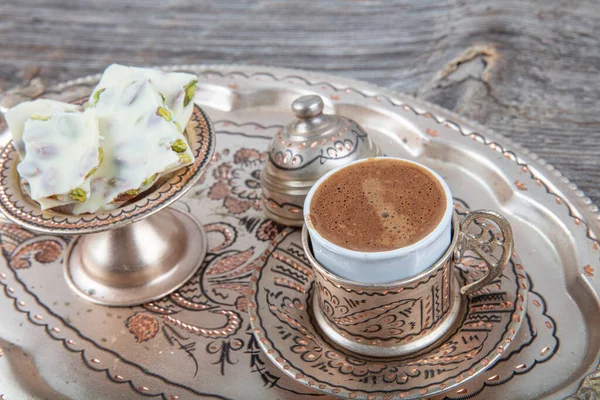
(310, 118)
(309, 147)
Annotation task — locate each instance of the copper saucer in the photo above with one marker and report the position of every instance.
(285, 327)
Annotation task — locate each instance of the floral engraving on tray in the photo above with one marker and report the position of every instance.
(238, 182)
(143, 326)
(25, 248)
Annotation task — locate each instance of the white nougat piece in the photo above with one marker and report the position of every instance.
(61, 152)
(177, 88)
(16, 117)
(141, 142)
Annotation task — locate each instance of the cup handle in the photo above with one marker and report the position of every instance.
(482, 246)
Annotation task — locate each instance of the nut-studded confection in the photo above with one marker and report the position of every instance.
(176, 88)
(16, 117)
(141, 141)
(61, 152)
(138, 132)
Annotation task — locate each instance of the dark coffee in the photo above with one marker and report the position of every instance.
(378, 205)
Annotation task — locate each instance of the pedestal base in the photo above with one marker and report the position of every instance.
(138, 263)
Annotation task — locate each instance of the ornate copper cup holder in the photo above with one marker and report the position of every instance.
(389, 310)
(131, 255)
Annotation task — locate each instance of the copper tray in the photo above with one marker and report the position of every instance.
(197, 342)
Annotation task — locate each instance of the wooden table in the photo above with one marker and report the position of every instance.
(528, 69)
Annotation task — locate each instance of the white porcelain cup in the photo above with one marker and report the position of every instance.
(384, 266)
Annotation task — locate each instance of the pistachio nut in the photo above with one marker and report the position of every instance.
(150, 180)
(164, 113)
(78, 195)
(189, 89)
(184, 158)
(179, 146)
(38, 117)
(90, 172)
(97, 94)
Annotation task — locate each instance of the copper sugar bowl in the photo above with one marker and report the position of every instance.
(306, 149)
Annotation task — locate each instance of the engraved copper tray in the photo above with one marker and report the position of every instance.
(197, 343)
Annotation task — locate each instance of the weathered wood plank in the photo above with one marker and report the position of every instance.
(527, 69)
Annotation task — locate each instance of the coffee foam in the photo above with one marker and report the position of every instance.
(378, 205)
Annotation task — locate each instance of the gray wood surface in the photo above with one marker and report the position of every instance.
(528, 69)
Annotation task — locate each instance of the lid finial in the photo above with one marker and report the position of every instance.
(308, 106)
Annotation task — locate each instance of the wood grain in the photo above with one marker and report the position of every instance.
(528, 69)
